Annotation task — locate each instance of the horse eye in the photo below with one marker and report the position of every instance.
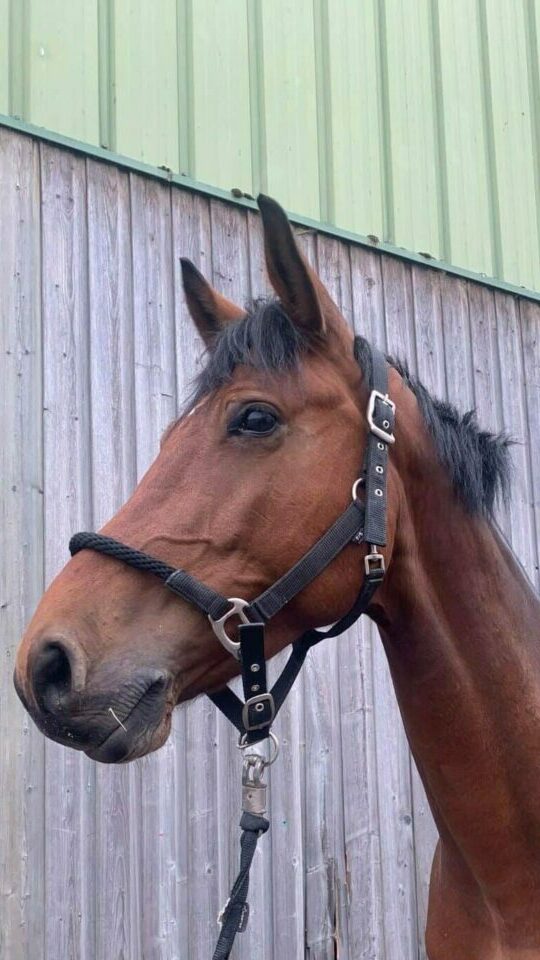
(254, 421)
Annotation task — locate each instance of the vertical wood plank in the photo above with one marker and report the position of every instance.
(155, 406)
(368, 296)
(261, 287)
(430, 364)
(286, 859)
(192, 239)
(530, 334)
(22, 747)
(393, 759)
(231, 276)
(326, 889)
(70, 778)
(113, 477)
(363, 877)
(456, 336)
(486, 374)
(486, 368)
(519, 510)
(428, 332)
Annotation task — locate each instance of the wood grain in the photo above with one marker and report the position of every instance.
(22, 748)
(69, 777)
(117, 886)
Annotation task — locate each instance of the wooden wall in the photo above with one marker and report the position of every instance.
(132, 863)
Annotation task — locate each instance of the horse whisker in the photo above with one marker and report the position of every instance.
(120, 724)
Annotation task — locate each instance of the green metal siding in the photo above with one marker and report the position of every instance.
(416, 121)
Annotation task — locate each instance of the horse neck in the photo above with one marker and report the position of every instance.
(461, 628)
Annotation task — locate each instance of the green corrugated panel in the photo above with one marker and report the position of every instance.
(221, 93)
(4, 56)
(61, 68)
(468, 224)
(144, 76)
(511, 109)
(290, 107)
(410, 111)
(358, 181)
(417, 121)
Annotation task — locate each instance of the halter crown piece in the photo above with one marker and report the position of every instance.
(362, 521)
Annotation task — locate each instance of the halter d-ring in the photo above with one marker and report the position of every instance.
(243, 744)
(218, 626)
(357, 483)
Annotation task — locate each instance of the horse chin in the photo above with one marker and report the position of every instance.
(124, 745)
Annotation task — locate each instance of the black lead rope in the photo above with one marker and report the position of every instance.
(360, 522)
(235, 913)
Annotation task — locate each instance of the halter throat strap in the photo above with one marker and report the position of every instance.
(361, 521)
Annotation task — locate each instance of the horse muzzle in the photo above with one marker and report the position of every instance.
(111, 725)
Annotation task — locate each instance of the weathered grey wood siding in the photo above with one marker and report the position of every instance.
(100, 863)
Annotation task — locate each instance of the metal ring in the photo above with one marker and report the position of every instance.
(356, 484)
(243, 744)
(218, 626)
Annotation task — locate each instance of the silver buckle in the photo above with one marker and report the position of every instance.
(262, 698)
(221, 914)
(374, 562)
(218, 626)
(378, 431)
(244, 916)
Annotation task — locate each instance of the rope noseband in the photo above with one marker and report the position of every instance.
(362, 521)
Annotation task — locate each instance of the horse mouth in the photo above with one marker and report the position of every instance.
(105, 733)
(143, 730)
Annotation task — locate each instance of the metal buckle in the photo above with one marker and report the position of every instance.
(261, 698)
(244, 916)
(218, 626)
(221, 914)
(378, 431)
(374, 563)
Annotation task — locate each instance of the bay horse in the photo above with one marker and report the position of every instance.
(258, 467)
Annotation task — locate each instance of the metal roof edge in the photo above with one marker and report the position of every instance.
(187, 183)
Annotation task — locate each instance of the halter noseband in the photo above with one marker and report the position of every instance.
(361, 522)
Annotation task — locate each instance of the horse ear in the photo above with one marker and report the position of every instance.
(290, 275)
(209, 310)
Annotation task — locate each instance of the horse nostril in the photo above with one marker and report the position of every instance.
(52, 676)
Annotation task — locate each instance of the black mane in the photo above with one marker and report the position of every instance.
(478, 462)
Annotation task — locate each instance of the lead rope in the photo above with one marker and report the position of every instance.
(235, 914)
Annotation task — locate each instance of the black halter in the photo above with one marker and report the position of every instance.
(362, 521)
